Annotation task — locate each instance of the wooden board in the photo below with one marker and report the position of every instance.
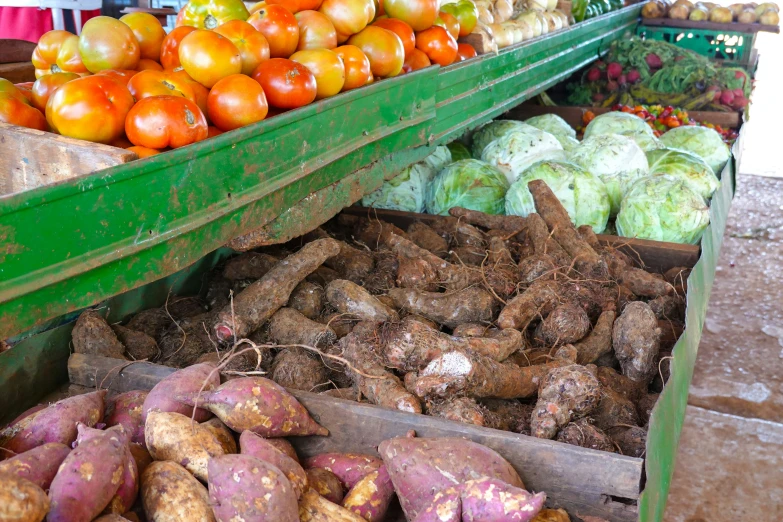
(18, 72)
(31, 158)
(161, 14)
(583, 481)
(690, 24)
(15, 50)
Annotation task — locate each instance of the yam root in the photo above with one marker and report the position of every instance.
(539, 298)
(510, 415)
(583, 433)
(626, 387)
(460, 409)
(152, 322)
(371, 231)
(644, 284)
(183, 343)
(566, 324)
(667, 307)
(645, 405)
(535, 267)
(544, 243)
(636, 341)
(565, 393)
(288, 326)
(454, 277)
(340, 324)
(250, 265)
(428, 239)
(384, 275)
(632, 441)
(93, 335)
(170, 494)
(598, 342)
(308, 299)
(471, 330)
(471, 256)
(322, 276)
(614, 410)
(489, 221)
(298, 369)
(349, 298)
(415, 273)
(138, 345)
(471, 305)
(326, 484)
(351, 263)
(370, 497)
(315, 508)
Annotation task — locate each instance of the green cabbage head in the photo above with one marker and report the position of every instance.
(469, 184)
(582, 194)
(704, 142)
(626, 124)
(404, 192)
(517, 150)
(458, 151)
(663, 208)
(553, 124)
(689, 167)
(438, 159)
(491, 131)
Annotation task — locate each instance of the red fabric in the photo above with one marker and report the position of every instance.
(29, 23)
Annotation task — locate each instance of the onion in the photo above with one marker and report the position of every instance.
(502, 10)
(544, 22)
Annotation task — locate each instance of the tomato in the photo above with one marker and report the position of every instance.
(379, 10)
(439, 46)
(280, 28)
(383, 48)
(257, 7)
(448, 22)
(327, 67)
(200, 92)
(149, 65)
(120, 76)
(58, 51)
(169, 50)
(316, 31)
(45, 86)
(419, 14)
(252, 45)
(26, 88)
(208, 14)
(416, 60)
(148, 32)
(401, 29)
(160, 83)
(357, 66)
(107, 43)
(143, 152)
(92, 108)
(17, 111)
(296, 6)
(466, 51)
(287, 84)
(208, 56)
(158, 122)
(466, 14)
(236, 101)
(348, 16)
(213, 131)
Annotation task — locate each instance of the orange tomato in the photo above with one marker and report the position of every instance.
(449, 22)
(92, 108)
(121, 142)
(158, 122)
(58, 51)
(252, 45)
(383, 48)
(416, 60)
(26, 88)
(401, 29)
(316, 31)
(296, 6)
(149, 65)
(419, 14)
(208, 56)
(327, 67)
(466, 51)
(279, 27)
(160, 83)
(118, 75)
(45, 86)
(107, 43)
(257, 7)
(357, 66)
(200, 92)
(348, 16)
(143, 152)
(213, 131)
(236, 101)
(287, 84)
(439, 46)
(148, 32)
(169, 49)
(16, 109)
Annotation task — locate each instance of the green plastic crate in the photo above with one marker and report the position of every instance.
(731, 46)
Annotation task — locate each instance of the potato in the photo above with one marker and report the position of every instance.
(21, 500)
(171, 494)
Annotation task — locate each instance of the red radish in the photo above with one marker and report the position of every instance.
(598, 97)
(612, 86)
(614, 70)
(633, 76)
(727, 98)
(622, 80)
(716, 95)
(593, 75)
(738, 92)
(740, 102)
(653, 61)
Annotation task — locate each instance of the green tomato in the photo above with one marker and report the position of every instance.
(466, 14)
(209, 14)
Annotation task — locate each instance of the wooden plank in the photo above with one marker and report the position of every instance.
(31, 158)
(18, 72)
(15, 50)
(581, 480)
(710, 26)
(161, 14)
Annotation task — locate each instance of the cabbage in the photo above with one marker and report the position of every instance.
(467, 183)
(663, 208)
(517, 150)
(491, 131)
(616, 160)
(438, 159)
(626, 124)
(553, 124)
(568, 143)
(582, 194)
(706, 143)
(404, 192)
(458, 151)
(691, 168)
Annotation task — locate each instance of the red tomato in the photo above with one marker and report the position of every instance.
(118, 75)
(348, 16)
(327, 67)
(160, 83)
(92, 108)
(439, 46)
(466, 51)
(148, 32)
(213, 131)
(149, 65)
(208, 57)
(401, 29)
(143, 152)
(296, 6)
(383, 48)
(107, 43)
(17, 110)
(58, 51)
(419, 14)
(26, 88)
(357, 66)
(280, 28)
(252, 45)
(236, 101)
(158, 122)
(287, 84)
(416, 60)
(169, 49)
(315, 31)
(45, 86)
(200, 92)
(449, 22)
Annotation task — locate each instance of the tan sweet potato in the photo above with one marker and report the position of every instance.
(38, 465)
(315, 508)
(349, 298)
(21, 500)
(308, 299)
(565, 393)
(326, 484)
(471, 305)
(171, 494)
(552, 515)
(371, 496)
(141, 456)
(187, 380)
(223, 435)
(636, 341)
(262, 449)
(93, 335)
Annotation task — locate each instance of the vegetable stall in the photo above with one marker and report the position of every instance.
(516, 288)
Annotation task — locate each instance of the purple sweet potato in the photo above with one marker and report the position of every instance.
(284, 446)
(186, 381)
(326, 484)
(491, 500)
(350, 468)
(420, 467)
(445, 506)
(38, 465)
(21, 500)
(315, 508)
(141, 456)
(171, 494)
(371, 496)
(244, 488)
(125, 409)
(57, 423)
(258, 405)
(223, 435)
(260, 448)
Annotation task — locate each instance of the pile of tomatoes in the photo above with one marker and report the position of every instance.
(127, 83)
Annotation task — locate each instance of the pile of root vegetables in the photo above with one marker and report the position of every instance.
(521, 324)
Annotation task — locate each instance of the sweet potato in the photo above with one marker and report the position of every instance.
(471, 305)
(584, 434)
(349, 298)
(21, 500)
(425, 237)
(565, 393)
(420, 467)
(371, 496)
(93, 335)
(126, 409)
(552, 515)
(566, 324)
(308, 299)
(171, 494)
(349, 468)
(288, 326)
(138, 345)
(315, 508)
(38, 465)
(249, 265)
(489, 500)
(141, 456)
(57, 423)
(222, 434)
(258, 405)
(245, 488)
(260, 448)
(172, 436)
(326, 484)
(113, 518)
(445, 506)
(284, 446)
(636, 341)
(187, 380)
(539, 298)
